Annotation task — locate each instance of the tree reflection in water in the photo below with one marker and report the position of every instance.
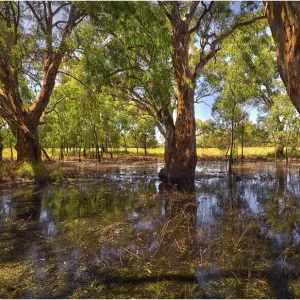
(234, 236)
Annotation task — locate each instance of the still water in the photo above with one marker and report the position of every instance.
(119, 235)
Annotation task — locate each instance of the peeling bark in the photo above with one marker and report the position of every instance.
(284, 21)
(28, 147)
(180, 149)
(24, 122)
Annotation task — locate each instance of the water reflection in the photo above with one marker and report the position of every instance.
(119, 236)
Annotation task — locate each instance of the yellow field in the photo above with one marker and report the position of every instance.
(207, 152)
(213, 152)
(248, 151)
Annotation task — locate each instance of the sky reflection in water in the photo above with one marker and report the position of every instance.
(120, 236)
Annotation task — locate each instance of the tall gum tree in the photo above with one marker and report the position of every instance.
(284, 21)
(33, 41)
(133, 61)
(210, 23)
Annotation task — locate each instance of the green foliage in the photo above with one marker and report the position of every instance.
(225, 287)
(38, 172)
(56, 175)
(257, 289)
(294, 289)
(25, 170)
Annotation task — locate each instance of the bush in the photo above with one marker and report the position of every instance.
(25, 170)
(56, 175)
(41, 173)
(38, 172)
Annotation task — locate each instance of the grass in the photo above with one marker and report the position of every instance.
(249, 152)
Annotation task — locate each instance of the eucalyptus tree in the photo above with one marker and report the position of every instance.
(252, 51)
(2, 127)
(237, 83)
(209, 23)
(127, 51)
(283, 132)
(283, 17)
(138, 51)
(34, 39)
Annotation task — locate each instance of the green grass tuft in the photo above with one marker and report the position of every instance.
(25, 170)
(56, 175)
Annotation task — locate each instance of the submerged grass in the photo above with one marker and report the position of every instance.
(24, 172)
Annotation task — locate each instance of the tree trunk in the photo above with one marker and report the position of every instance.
(99, 155)
(61, 154)
(279, 149)
(243, 132)
(184, 157)
(242, 154)
(1, 148)
(125, 144)
(11, 150)
(145, 146)
(181, 152)
(28, 146)
(136, 145)
(275, 147)
(46, 154)
(283, 17)
(231, 147)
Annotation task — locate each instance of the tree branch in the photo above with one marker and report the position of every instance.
(204, 13)
(52, 64)
(81, 82)
(235, 27)
(167, 13)
(192, 10)
(215, 45)
(57, 10)
(55, 104)
(39, 20)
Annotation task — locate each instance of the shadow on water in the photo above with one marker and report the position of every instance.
(119, 236)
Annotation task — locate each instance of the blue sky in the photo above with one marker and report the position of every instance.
(203, 111)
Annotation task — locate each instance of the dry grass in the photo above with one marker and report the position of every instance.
(119, 154)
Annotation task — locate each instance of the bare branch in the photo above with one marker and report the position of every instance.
(204, 13)
(215, 45)
(55, 104)
(57, 10)
(121, 70)
(168, 14)
(31, 77)
(175, 10)
(235, 27)
(45, 15)
(58, 22)
(192, 11)
(52, 64)
(161, 129)
(81, 82)
(39, 20)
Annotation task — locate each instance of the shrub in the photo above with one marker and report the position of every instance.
(38, 172)
(56, 175)
(25, 170)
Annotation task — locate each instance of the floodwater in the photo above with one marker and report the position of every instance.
(120, 235)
